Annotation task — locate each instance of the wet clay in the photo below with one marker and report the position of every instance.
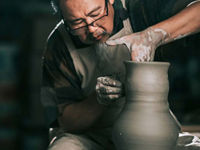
(146, 122)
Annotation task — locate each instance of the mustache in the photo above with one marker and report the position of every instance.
(105, 33)
(100, 33)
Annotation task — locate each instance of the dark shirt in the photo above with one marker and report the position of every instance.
(61, 85)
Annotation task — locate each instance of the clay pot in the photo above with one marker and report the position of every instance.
(146, 122)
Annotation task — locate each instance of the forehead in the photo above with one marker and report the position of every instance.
(74, 8)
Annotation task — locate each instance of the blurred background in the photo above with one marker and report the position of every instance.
(24, 28)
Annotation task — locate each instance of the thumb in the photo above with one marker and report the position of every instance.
(115, 41)
(134, 56)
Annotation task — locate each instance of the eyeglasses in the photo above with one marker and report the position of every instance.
(82, 29)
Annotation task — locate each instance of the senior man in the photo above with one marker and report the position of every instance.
(83, 72)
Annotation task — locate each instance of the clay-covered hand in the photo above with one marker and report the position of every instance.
(108, 90)
(142, 45)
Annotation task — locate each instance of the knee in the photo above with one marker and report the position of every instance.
(69, 142)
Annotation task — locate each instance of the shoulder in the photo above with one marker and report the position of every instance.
(145, 13)
(56, 58)
(55, 30)
(54, 37)
(54, 45)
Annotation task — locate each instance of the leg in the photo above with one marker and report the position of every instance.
(68, 141)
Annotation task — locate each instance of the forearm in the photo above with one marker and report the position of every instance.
(81, 116)
(142, 45)
(184, 23)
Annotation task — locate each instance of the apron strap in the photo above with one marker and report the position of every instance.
(67, 40)
(70, 46)
(126, 22)
(124, 4)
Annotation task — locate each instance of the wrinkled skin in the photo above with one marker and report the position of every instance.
(108, 90)
(88, 11)
(142, 45)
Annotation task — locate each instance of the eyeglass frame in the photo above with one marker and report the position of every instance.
(90, 24)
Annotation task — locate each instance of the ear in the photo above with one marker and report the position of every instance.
(111, 1)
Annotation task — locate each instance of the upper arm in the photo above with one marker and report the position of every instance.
(181, 4)
(60, 84)
(145, 13)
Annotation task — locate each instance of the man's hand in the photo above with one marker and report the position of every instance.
(108, 90)
(142, 45)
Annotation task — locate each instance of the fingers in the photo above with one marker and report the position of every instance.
(116, 41)
(139, 58)
(152, 55)
(109, 81)
(107, 100)
(104, 89)
(141, 53)
(108, 90)
(141, 45)
(111, 97)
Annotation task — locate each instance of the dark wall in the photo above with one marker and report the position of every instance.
(24, 27)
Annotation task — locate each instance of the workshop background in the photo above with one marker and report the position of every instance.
(24, 27)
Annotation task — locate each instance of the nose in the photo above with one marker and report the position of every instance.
(92, 28)
(91, 25)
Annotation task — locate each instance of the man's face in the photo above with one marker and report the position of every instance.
(90, 20)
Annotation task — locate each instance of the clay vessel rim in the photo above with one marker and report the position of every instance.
(147, 62)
